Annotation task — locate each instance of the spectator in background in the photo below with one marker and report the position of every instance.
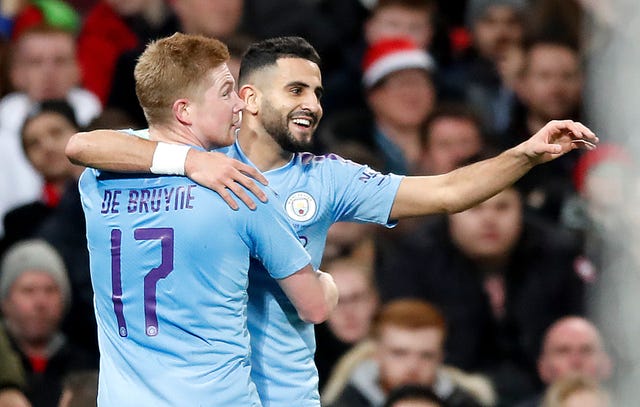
(413, 19)
(409, 337)
(596, 211)
(572, 346)
(413, 396)
(44, 67)
(452, 135)
(487, 268)
(550, 89)
(57, 216)
(350, 322)
(12, 378)
(400, 95)
(576, 392)
(34, 294)
(113, 27)
(45, 134)
(496, 27)
(220, 19)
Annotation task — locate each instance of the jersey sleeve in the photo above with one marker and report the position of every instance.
(362, 194)
(273, 240)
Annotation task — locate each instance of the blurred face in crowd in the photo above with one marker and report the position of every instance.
(213, 18)
(408, 356)
(130, 7)
(450, 141)
(45, 66)
(552, 82)
(33, 307)
(399, 21)
(287, 98)
(573, 346)
(351, 320)
(497, 31)
(490, 230)
(44, 139)
(403, 99)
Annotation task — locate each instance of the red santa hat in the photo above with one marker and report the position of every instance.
(390, 55)
(612, 153)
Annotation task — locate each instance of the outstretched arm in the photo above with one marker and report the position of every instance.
(116, 151)
(467, 186)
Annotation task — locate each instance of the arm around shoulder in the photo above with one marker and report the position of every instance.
(111, 150)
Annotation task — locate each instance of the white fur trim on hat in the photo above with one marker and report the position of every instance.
(397, 61)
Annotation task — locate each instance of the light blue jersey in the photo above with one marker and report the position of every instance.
(169, 267)
(315, 191)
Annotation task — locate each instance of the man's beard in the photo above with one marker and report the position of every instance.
(278, 127)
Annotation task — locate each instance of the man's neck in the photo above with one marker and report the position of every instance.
(262, 149)
(175, 134)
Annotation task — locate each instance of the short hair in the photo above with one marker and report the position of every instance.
(455, 110)
(409, 314)
(558, 393)
(172, 68)
(546, 40)
(412, 392)
(267, 52)
(52, 106)
(412, 4)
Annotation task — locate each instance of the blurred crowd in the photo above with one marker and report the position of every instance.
(487, 307)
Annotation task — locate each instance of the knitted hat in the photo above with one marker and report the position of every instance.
(33, 254)
(54, 13)
(476, 9)
(591, 159)
(391, 55)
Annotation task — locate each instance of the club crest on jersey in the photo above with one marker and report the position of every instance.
(300, 206)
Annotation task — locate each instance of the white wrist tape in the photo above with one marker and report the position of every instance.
(169, 159)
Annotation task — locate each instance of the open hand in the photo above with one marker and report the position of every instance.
(226, 176)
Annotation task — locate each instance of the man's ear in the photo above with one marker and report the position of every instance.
(181, 111)
(251, 97)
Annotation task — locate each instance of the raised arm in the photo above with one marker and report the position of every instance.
(467, 186)
(313, 293)
(116, 151)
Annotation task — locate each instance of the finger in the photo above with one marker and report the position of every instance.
(252, 172)
(586, 132)
(241, 193)
(583, 144)
(251, 186)
(226, 196)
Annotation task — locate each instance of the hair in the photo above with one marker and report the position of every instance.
(172, 68)
(560, 391)
(55, 106)
(412, 392)
(267, 52)
(412, 4)
(42, 30)
(547, 40)
(410, 314)
(454, 110)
